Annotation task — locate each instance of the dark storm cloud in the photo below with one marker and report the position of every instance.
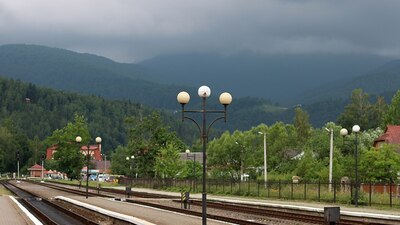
(134, 30)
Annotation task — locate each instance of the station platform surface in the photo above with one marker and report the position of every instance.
(311, 206)
(138, 214)
(11, 214)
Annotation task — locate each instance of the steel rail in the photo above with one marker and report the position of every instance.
(43, 216)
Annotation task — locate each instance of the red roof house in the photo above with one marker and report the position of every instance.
(36, 171)
(94, 151)
(391, 136)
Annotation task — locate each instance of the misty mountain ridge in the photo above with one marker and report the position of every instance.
(83, 73)
(280, 77)
(379, 81)
(158, 85)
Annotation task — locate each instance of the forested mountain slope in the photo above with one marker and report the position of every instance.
(83, 73)
(48, 110)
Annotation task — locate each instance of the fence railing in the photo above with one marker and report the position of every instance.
(369, 193)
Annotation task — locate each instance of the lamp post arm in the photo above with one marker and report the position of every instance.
(194, 121)
(215, 120)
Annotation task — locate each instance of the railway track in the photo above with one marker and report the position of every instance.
(46, 211)
(263, 211)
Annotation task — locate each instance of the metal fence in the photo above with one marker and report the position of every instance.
(369, 193)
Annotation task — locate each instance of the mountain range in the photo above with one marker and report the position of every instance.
(264, 87)
(285, 79)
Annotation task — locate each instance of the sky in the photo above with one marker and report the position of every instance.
(132, 31)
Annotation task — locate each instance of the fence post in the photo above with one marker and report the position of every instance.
(231, 184)
(258, 188)
(279, 188)
(268, 188)
(291, 189)
(390, 193)
(351, 190)
(305, 190)
(248, 185)
(334, 191)
(319, 190)
(240, 182)
(223, 185)
(370, 193)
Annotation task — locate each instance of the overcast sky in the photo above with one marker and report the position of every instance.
(130, 30)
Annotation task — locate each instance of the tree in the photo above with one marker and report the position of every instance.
(119, 164)
(361, 112)
(381, 164)
(168, 164)
(147, 136)
(392, 116)
(69, 158)
(302, 125)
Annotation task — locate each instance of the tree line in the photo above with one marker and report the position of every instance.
(34, 118)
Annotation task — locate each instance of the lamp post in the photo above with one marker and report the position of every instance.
(194, 167)
(105, 163)
(132, 157)
(265, 159)
(225, 99)
(330, 157)
(42, 158)
(78, 139)
(241, 160)
(17, 164)
(344, 132)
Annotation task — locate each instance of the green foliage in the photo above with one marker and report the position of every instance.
(392, 116)
(381, 164)
(308, 166)
(302, 125)
(360, 111)
(69, 158)
(11, 142)
(147, 136)
(168, 164)
(119, 164)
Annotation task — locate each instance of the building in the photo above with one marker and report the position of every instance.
(36, 171)
(94, 151)
(391, 136)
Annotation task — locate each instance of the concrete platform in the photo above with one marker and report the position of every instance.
(134, 213)
(362, 212)
(11, 213)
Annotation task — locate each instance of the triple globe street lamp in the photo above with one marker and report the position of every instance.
(225, 99)
(78, 140)
(343, 133)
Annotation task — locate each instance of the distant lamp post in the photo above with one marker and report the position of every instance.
(105, 163)
(225, 99)
(330, 130)
(42, 158)
(265, 159)
(344, 132)
(132, 157)
(17, 154)
(78, 140)
(194, 167)
(241, 160)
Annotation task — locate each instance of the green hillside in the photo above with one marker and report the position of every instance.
(90, 74)
(377, 82)
(49, 110)
(83, 73)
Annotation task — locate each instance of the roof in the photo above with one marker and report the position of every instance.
(36, 167)
(391, 135)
